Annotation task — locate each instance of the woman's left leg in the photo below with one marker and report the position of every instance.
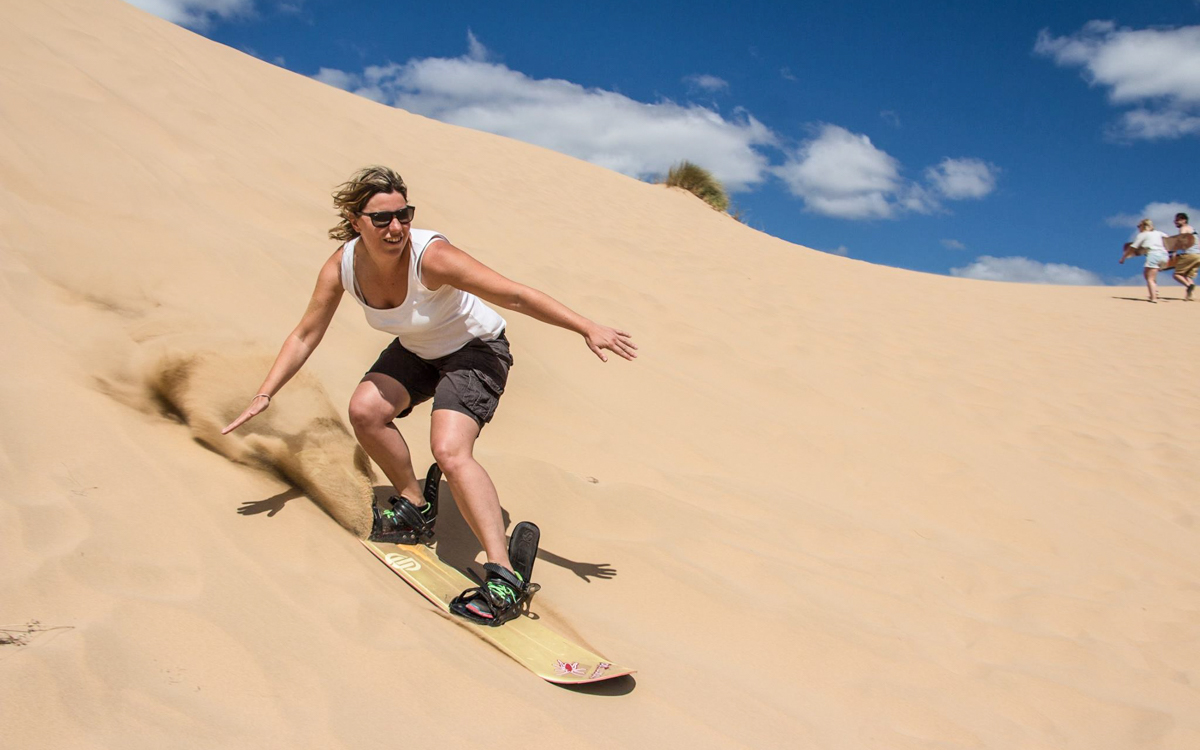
(452, 438)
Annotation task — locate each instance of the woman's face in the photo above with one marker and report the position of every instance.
(389, 239)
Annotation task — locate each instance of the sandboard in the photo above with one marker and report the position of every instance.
(538, 648)
(1179, 242)
(1172, 244)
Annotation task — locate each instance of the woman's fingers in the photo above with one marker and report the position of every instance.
(596, 350)
(237, 422)
(251, 411)
(623, 350)
(624, 346)
(614, 340)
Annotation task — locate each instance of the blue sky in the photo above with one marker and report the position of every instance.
(1016, 141)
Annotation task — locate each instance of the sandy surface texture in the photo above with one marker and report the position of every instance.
(832, 505)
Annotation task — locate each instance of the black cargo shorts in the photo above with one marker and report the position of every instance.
(470, 380)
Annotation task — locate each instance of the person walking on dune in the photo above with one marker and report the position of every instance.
(1187, 260)
(450, 347)
(1150, 241)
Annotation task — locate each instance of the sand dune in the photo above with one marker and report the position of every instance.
(831, 505)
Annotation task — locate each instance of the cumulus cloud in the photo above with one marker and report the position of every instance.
(843, 174)
(1156, 69)
(1024, 270)
(836, 172)
(1162, 214)
(195, 14)
(960, 179)
(337, 78)
(839, 173)
(603, 127)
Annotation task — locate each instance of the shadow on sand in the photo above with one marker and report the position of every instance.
(1143, 299)
(617, 686)
(458, 547)
(271, 505)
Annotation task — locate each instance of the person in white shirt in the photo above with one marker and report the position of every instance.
(450, 347)
(1149, 241)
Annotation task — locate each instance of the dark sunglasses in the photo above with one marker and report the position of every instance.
(384, 218)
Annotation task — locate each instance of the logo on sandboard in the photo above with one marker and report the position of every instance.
(402, 562)
(568, 667)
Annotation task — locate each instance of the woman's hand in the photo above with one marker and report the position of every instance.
(600, 337)
(257, 406)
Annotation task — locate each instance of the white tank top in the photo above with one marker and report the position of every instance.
(430, 324)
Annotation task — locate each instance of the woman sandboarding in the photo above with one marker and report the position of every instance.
(449, 347)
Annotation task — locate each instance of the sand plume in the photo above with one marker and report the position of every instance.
(300, 437)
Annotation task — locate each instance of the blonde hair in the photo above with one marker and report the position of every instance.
(1145, 225)
(351, 197)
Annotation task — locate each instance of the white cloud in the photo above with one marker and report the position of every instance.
(708, 83)
(959, 179)
(337, 78)
(840, 250)
(787, 74)
(843, 174)
(953, 245)
(475, 49)
(839, 173)
(890, 117)
(1026, 271)
(1162, 214)
(1150, 125)
(836, 172)
(602, 127)
(194, 14)
(1158, 69)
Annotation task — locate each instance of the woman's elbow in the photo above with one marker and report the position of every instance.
(517, 301)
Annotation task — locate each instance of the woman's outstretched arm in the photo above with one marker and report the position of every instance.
(444, 263)
(301, 342)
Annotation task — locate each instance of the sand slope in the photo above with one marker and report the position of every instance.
(832, 505)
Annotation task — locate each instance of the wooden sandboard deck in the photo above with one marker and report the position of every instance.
(538, 648)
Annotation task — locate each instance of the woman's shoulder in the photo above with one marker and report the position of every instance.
(422, 237)
(331, 269)
(336, 257)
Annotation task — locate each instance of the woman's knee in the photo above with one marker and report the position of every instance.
(369, 411)
(450, 455)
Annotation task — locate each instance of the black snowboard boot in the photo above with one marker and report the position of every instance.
(504, 593)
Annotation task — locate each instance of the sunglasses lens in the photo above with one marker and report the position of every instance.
(384, 218)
